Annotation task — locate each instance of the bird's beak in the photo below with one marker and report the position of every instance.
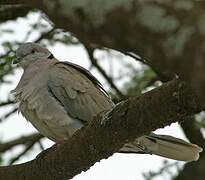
(16, 61)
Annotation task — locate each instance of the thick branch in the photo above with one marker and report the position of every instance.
(194, 134)
(105, 135)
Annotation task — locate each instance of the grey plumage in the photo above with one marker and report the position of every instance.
(164, 145)
(59, 98)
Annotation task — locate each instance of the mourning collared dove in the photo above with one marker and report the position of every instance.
(59, 98)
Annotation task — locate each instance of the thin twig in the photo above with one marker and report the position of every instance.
(9, 102)
(27, 148)
(8, 114)
(40, 145)
(19, 141)
(151, 175)
(45, 34)
(93, 60)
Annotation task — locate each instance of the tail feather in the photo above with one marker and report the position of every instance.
(163, 145)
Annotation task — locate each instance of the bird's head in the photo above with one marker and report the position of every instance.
(28, 53)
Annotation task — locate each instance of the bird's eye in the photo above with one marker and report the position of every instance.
(33, 51)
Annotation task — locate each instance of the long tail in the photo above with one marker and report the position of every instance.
(163, 145)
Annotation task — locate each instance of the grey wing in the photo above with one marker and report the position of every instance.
(81, 97)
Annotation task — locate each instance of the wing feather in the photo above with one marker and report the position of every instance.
(80, 93)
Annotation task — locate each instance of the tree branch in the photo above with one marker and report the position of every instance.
(194, 134)
(165, 169)
(10, 12)
(107, 133)
(11, 2)
(27, 147)
(20, 141)
(94, 62)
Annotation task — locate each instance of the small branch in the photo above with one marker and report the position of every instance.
(90, 51)
(163, 76)
(134, 56)
(151, 175)
(27, 148)
(9, 102)
(45, 35)
(20, 141)
(8, 114)
(41, 145)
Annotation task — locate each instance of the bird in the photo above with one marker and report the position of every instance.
(59, 97)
